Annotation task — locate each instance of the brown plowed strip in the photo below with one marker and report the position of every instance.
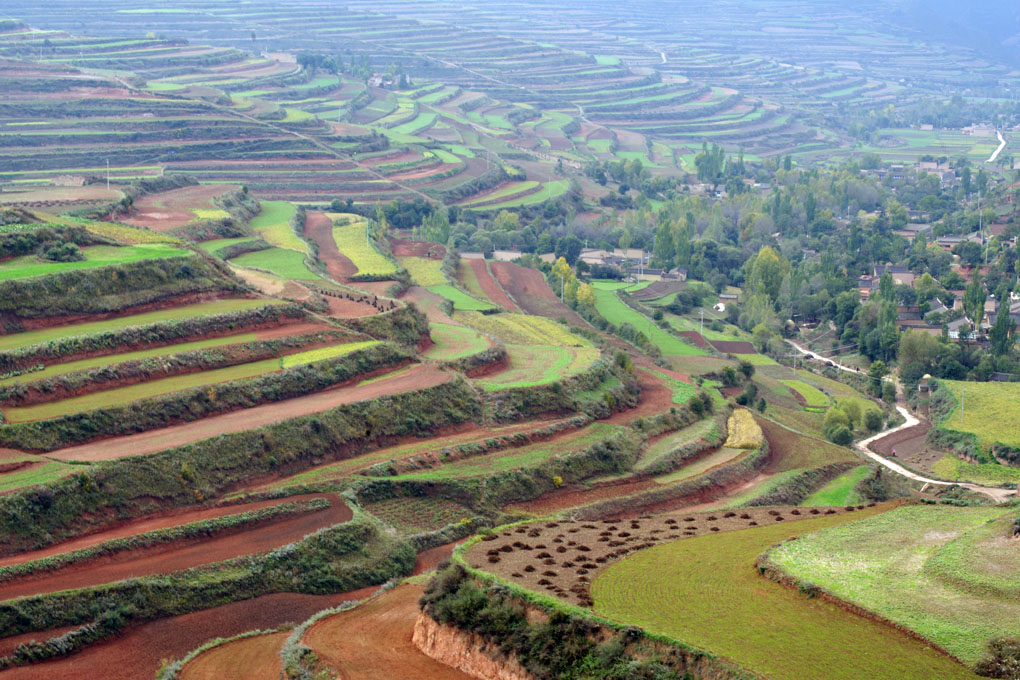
(530, 290)
(373, 287)
(292, 330)
(179, 555)
(403, 247)
(171, 209)
(419, 377)
(656, 398)
(349, 309)
(319, 228)
(428, 303)
(431, 558)
(254, 658)
(561, 499)
(490, 287)
(696, 338)
(734, 347)
(373, 641)
(143, 525)
(136, 655)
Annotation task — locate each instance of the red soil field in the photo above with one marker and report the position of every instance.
(727, 347)
(656, 398)
(422, 174)
(136, 655)
(377, 288)
(419, 377)
(373, 641)
(172, 209)
(398, 157)
(489, 286)
(528, 288)
(430, 559)
(349, 309)
(408, 248)
(181, 555)
(696, 339)
(428, 303)
(253, 658)
(319, 228)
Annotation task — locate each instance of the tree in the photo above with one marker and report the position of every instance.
(569, 248)
(876, 374)
(586, 296)
(747, 368)
(974, 300)
(563, 271)
(765, 272)
(1003, 333)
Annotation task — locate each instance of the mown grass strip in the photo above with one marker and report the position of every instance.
(95, 256)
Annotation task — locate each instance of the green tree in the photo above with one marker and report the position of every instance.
(765, 272)
(974, 300)
(876, 374)
(1002, 333)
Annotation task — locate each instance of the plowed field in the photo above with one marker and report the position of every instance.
(319, 228)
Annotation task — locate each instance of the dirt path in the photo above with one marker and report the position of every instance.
(418, 378)
(181, 555)
(319, 228)
(373, 641)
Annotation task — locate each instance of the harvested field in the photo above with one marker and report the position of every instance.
(910, 444)
(252, 658)
(562, 557)
(696, 339)
(403, 247)
(659, 289)
(173, 209)
(419, 377)
(373, 640)
(319, 228)
(349, 309)
(706, 592)
(455, 342)
(427, 302)
(488, 285)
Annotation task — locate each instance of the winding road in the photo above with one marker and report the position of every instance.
(1002, 147)
(996, 493)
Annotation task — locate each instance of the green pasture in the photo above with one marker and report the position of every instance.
(704, 591)
(273, 225)
(454, 342)
(424, 271)
(988, 412)
(290, 264)
(682, 392)
(459, 298)
(549, 191)
(839, 491)
(532, 365)
(721, 456)
(95, 256)
(323, 353)
(813, 397)
(352, 240)
(953, 469)
(896, 565)
(671, 442)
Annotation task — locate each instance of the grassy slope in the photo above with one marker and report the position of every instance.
(273, 225)
(290, 264)
(989, 411)
(538, 365)
(839, 491)
(454, 342)
(718, 602)
(459, 299)
(883, 565)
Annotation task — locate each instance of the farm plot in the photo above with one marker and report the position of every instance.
(454, 342)
(705, 592)
(813, 398)
(251, 658)
(172, 209)
(95, 256)
(532, 365)
(839, 491)
(410, 515)
(273, 225)
(352, 241)
(373, 640)
(418, 378)
(459, 298)
(18, 340)
(530, 291)
(522, 329)
(163, 557)
(289, 264)
(425, 272)
(941, 571)
(617, 313)
(474, 275)
(514, 458)
(988, 412)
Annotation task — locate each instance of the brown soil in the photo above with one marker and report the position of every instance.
(431, 558)
(172, 209)
(319, 228)
(564, 556)
(253, 658)
(911, 446)
(427, 249)
(656, 398)
(428, 303)
(349, 309)
(659, 289)
(418, 378)
(40, 323)
(373, 641)
(489, 286)
(180, 555)
(377, 288)
(695, 337)
(422, 174)
(565, 498)
(286, 331)
(136, 655)
(728, 347)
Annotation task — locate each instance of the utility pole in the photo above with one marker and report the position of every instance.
(963, 397)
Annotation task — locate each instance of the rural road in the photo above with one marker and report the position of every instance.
(1002, 146)
(862, 446)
